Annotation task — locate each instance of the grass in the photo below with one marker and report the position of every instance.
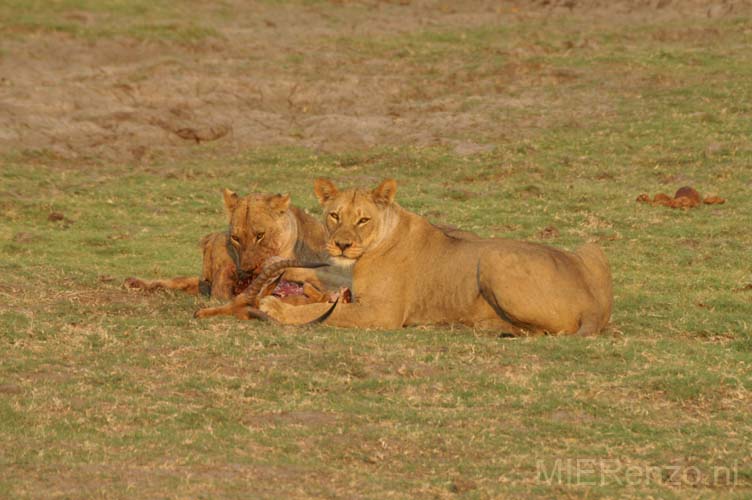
(93, 19)
(115, 394)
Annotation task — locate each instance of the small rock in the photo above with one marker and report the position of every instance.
(462, 485)
(713, 148)
(548, 233)
(530, 191)
(10, 389)
(23, 237)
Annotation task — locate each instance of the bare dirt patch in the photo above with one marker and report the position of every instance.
(305, 418)
(65, 480)
(295, 75)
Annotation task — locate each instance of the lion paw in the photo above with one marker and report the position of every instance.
(274, 307)
(202, 313)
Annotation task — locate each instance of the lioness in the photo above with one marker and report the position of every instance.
(408, 272)
(261, 226)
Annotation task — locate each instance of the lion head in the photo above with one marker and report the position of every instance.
(260, 227)
(357, 220)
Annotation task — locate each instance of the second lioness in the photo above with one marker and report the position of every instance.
(407, 272)
(261, 226)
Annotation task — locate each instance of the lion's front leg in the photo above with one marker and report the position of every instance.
(188, 284)
(208, 312)
(289, 314)
(222, 283)
(345, 315)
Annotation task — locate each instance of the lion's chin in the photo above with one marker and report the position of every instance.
(343, 261)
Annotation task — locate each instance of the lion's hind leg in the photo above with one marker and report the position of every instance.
(241, 307)
(208, 312)
(499, 320)
(523, 292)
(187, 284)
(239, 310)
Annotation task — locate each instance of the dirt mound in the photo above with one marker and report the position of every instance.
(685, 197)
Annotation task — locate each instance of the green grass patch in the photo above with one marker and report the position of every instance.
(105, 392)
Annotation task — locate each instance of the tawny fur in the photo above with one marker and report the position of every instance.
(408, 272)
(263, 226)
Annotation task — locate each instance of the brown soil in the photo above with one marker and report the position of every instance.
(281, 75)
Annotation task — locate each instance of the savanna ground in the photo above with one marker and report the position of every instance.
(120, 122)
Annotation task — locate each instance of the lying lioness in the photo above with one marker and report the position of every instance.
(261, 226)
(408, 272)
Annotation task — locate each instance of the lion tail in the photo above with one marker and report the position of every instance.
(598, 277)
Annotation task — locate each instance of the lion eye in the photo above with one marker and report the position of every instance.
(363, 220)
(334, 216)
(259, 236)
(235, 240)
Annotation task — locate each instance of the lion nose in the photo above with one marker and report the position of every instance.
(342, 245)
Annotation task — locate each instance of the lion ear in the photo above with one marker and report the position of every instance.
(231, 200)
(325, 190)
(384, 194)
(279, 202)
